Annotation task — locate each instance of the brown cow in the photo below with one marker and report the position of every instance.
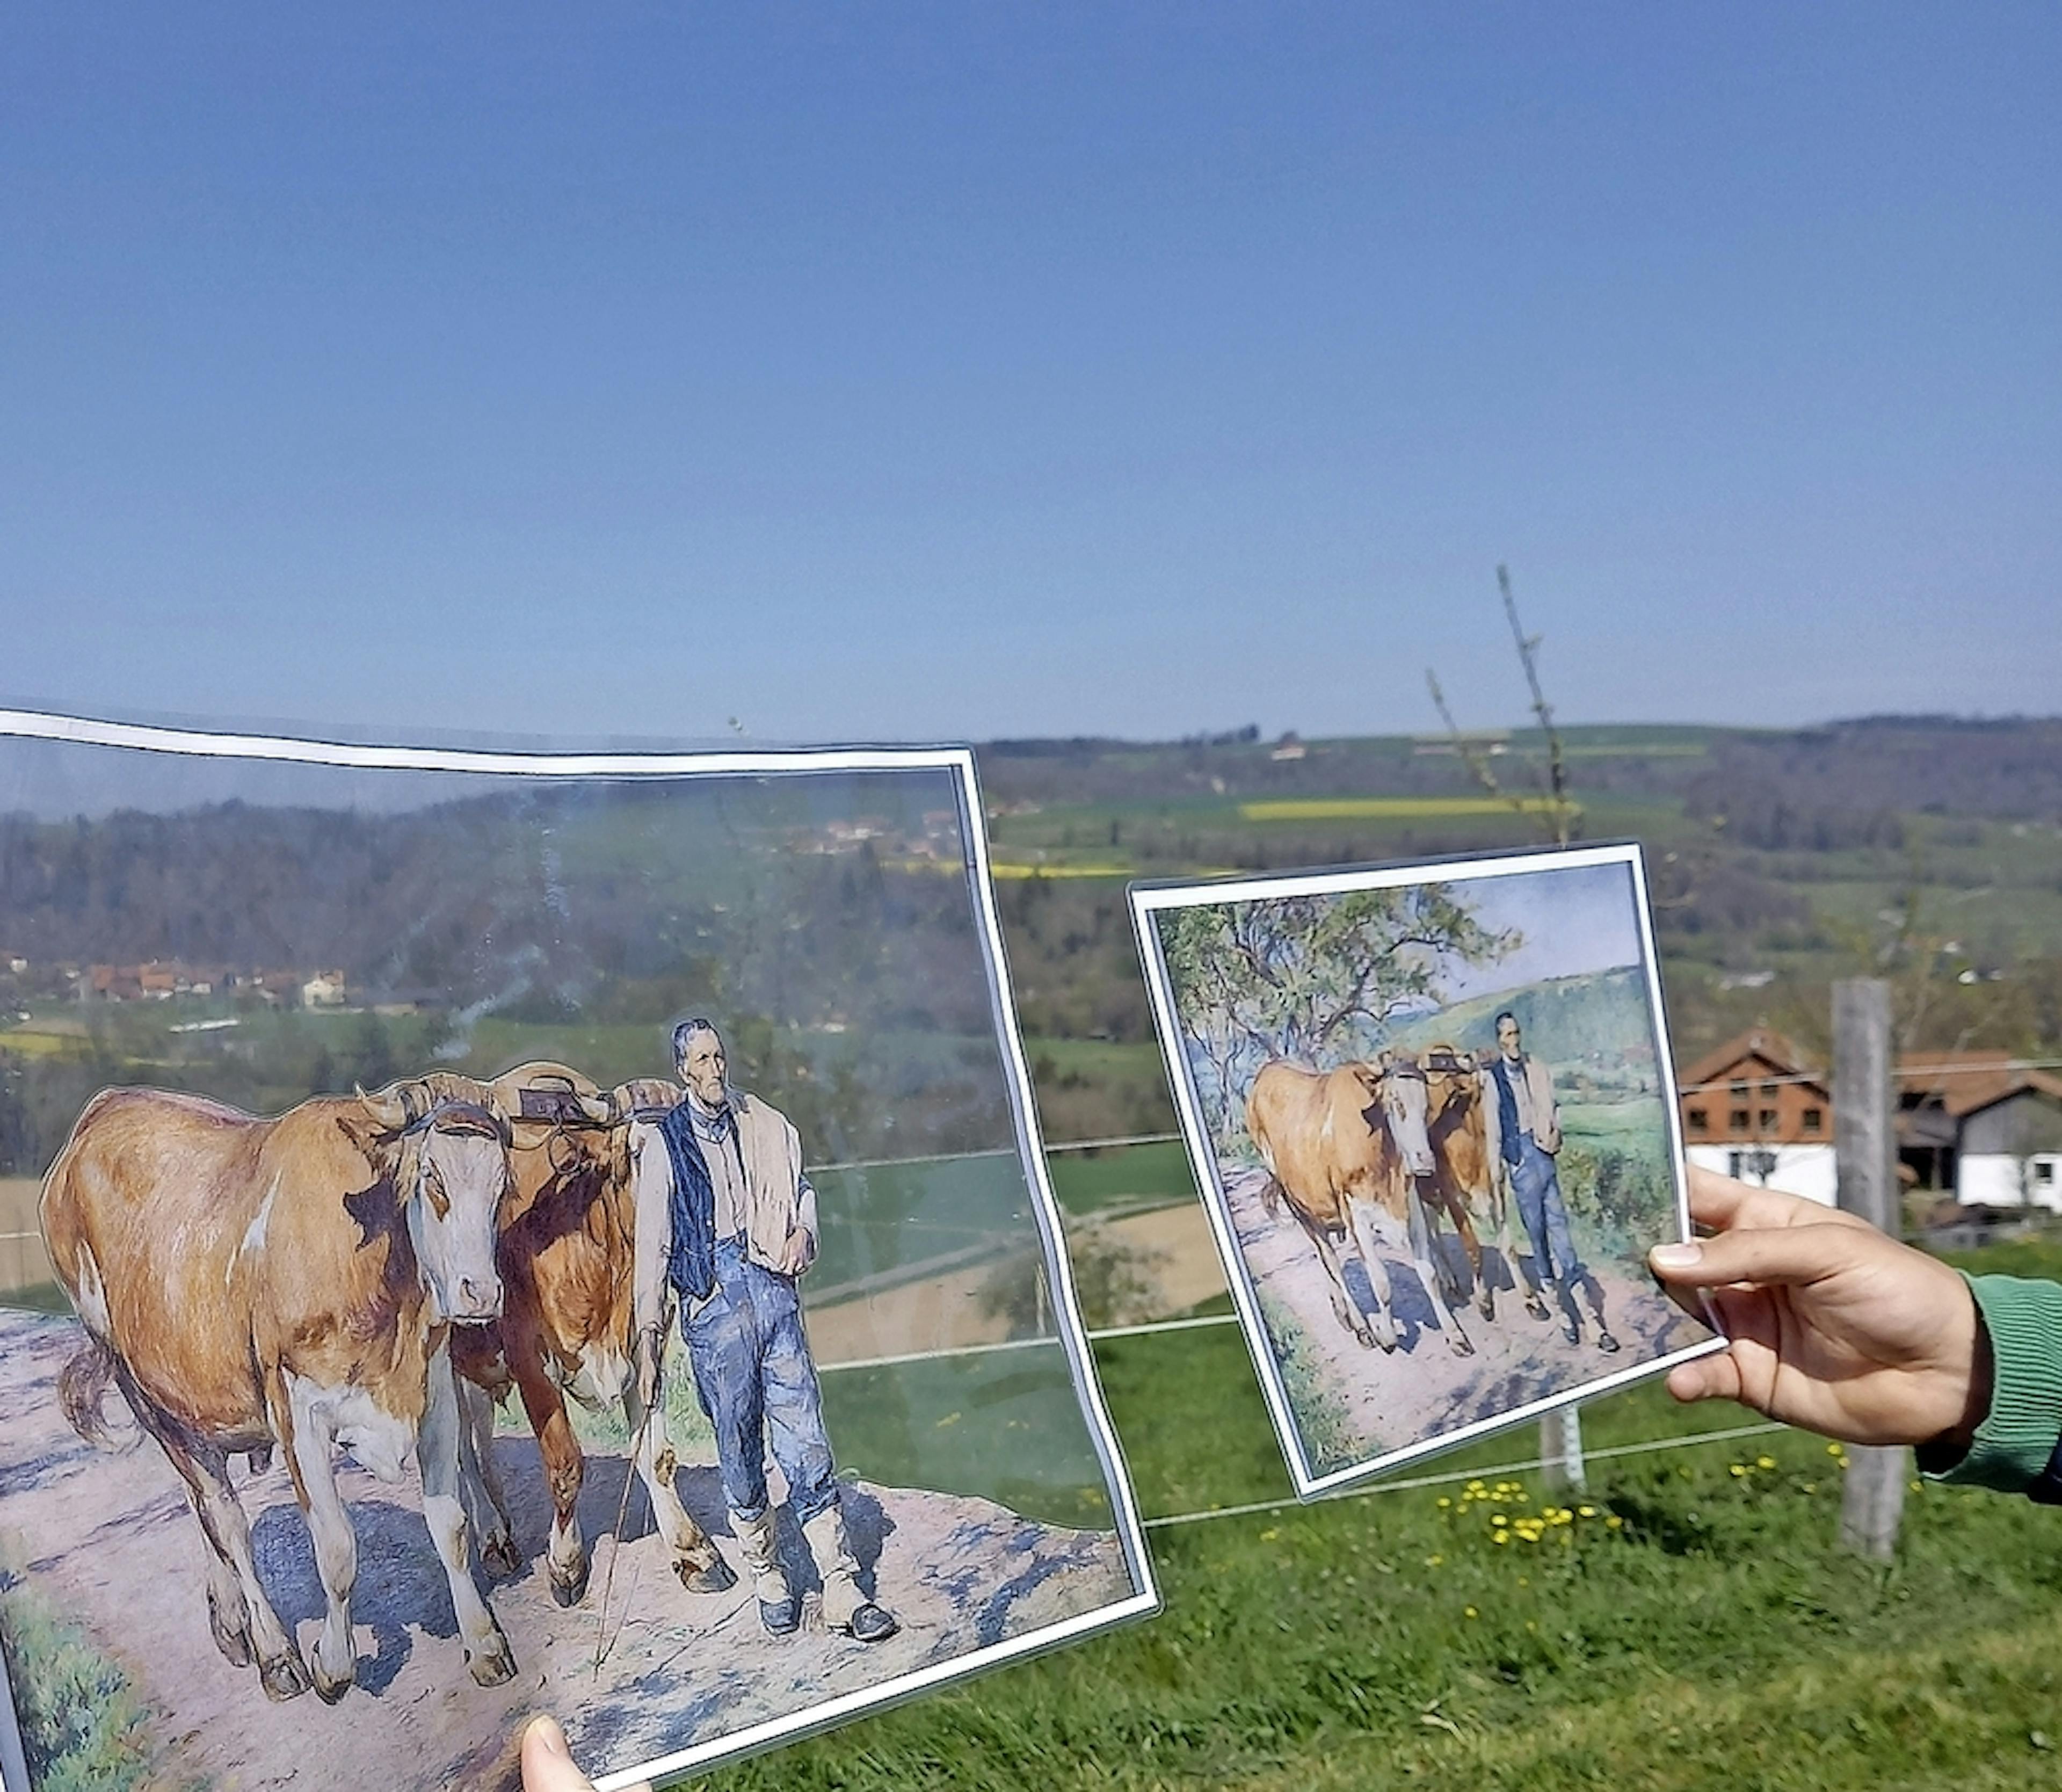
(245, 1282)
(1346, 1147)
(567, 1327)
(1467, 1173)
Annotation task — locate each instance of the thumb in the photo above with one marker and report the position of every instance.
(548, 1763)
(1782, 1254)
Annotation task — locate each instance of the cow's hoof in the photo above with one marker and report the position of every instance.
(571, 1591)
(493, 1665)
(285, 1678)
(498, 1557)
(329, 1691)
(1459, 1343)
(1607, 1344)
(718, 1577)
(1536, 1307)
(1386, 1341)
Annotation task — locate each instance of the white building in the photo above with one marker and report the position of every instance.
(1982, 1125)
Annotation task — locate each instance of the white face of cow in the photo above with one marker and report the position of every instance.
(453, 1184)
(1404, 1104)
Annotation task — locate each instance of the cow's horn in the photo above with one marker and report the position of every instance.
(502, 1123)
(389, 1108)
(598, 1109)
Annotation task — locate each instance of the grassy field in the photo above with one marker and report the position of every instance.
(1690, 1622)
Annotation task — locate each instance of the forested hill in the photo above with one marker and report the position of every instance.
(1846, 779)
(626, 904)
(1601, 1015)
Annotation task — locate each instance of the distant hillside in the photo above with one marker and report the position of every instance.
(1601, 1017)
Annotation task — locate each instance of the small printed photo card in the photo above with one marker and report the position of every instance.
(484, 1233)
(1431, 1111)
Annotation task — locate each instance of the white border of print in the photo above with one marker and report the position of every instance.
(960, 762)
(1149, 899)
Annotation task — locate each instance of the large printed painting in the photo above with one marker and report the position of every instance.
(1430, 1108)
(487, 1232)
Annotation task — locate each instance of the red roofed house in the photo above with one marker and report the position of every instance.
(1755, 1109)
(1982, 1124)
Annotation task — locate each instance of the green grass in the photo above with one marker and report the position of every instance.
(1715, 1635)
(42, 1297)
(83, 1727)
(1136, 1175)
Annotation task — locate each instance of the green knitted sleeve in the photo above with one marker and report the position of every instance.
(2013, 1445)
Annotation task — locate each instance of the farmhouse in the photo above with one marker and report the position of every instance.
(1754, 1108)
(1982, 1125)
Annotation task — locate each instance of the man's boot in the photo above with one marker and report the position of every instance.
(1571, 1324)
(845, 1607)
(779, 1608)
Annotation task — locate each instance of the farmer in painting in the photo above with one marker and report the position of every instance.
(1529, 1125)
(733, 1226)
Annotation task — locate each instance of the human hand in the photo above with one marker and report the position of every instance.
(548, 1763)
(649, 1341)
(1831, 1324)
(798, 1251)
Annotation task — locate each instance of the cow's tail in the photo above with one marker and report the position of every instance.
(82, 1386)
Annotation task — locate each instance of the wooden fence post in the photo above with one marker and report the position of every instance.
(1561, 1449)
(1865, 1151)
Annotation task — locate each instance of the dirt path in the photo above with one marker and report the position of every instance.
(110, 1543)
(1379, 1402)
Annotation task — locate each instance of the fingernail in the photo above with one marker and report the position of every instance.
(1675, 1256)
(551, 1738)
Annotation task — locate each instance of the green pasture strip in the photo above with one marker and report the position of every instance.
(1386, 809)
(42, 1297)
(1715, 1635)
(1003, 1425)
(1122, 1175)
(1006, 870)
(886, 1220)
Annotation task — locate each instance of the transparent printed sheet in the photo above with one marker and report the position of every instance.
(1432, 1112)
(398, 1163)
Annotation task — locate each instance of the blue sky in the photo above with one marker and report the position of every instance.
(909, 372)
(1568, 923)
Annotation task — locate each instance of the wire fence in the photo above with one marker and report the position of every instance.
(1650, 1447)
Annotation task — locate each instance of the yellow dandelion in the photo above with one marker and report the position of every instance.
(1614, 1522)
(1435, 1561)
(1469, 1611)
(1587, 1511)
(1836, 1450)
(1764, 1461)
(1444, 1501)
(1531, 1624)
(1737, 1470)
(1501, 1537)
